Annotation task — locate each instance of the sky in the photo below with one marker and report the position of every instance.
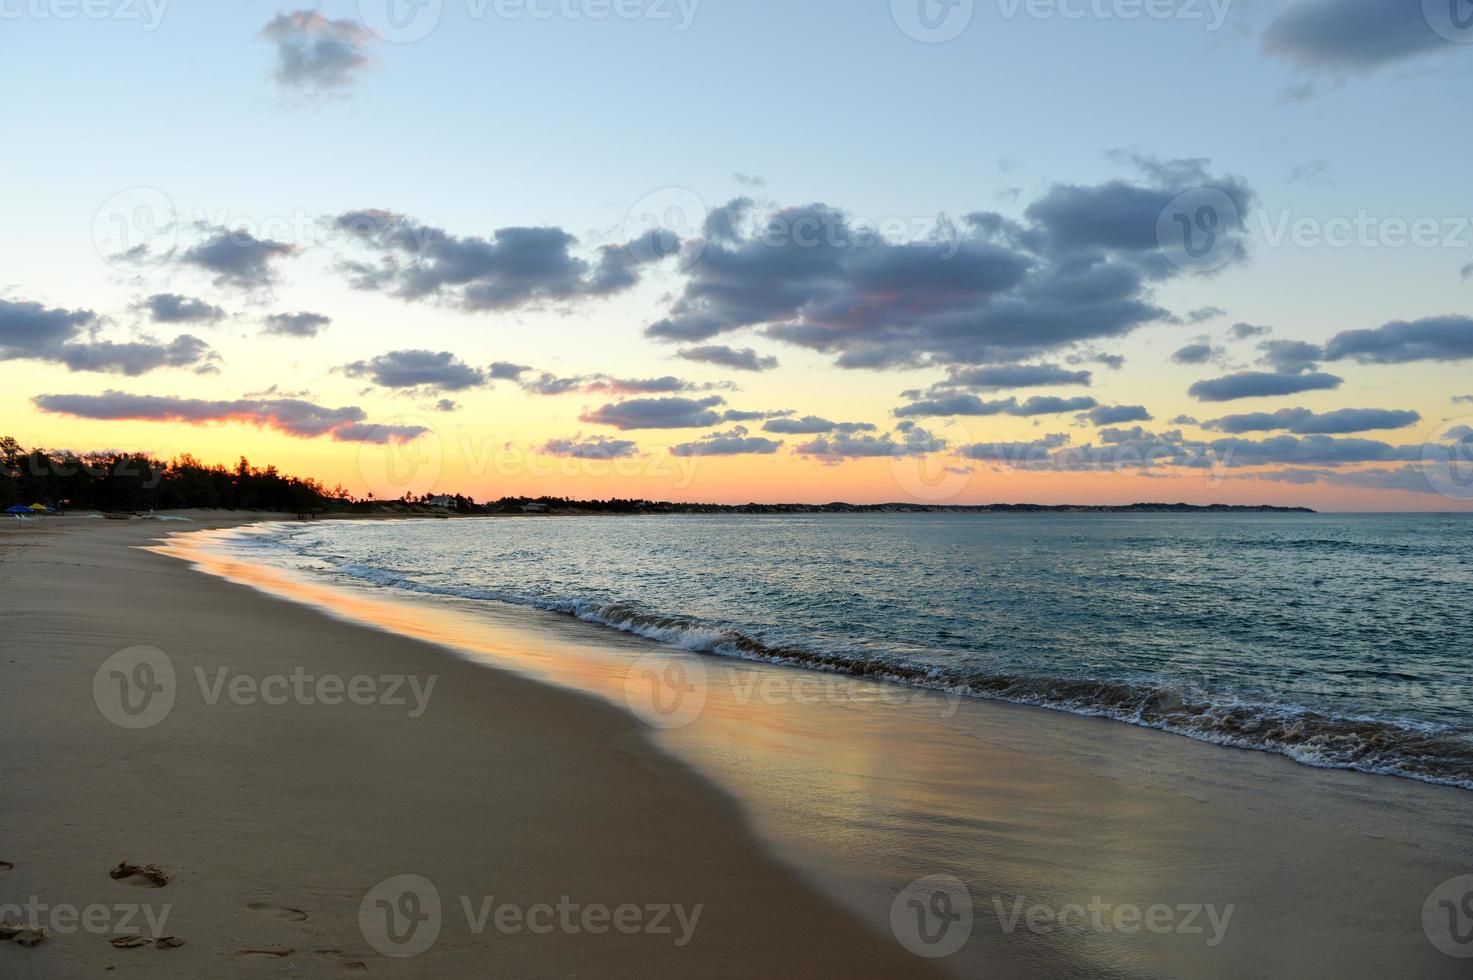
(948, 251)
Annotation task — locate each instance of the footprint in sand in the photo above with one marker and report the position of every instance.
(346, 967)
(142, 875)
(276, 951)
(6, 866)
(280, 911)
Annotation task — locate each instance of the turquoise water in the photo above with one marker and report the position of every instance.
(1337, 640)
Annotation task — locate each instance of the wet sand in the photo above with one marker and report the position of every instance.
(546, 814)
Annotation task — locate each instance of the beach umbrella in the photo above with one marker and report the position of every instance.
(39, 508)
(18, 509)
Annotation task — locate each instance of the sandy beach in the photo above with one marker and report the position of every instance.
(277, 821)
(799, 812)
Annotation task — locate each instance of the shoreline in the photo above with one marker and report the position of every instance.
(278, 821)
(865, 794)
(1033, 813)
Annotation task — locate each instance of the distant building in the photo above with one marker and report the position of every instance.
(442, 500)
(534, 508)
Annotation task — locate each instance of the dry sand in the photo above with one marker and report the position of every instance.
(276, 821)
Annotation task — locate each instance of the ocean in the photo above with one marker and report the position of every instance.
(1339, 641)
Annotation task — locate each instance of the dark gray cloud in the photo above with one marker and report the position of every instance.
(1079, 268)
(447, 405)
(1411, 478)
(1302, 421)
(514, 268)
(1290, 356)
(1245, 331)
(1137, 448)
(317, 54)
(1000, 377)
(738, 415)
(302, 324)
(908, 439)
(174, 308)
(289, 415)
(812, 425)
(969, 404)
(657, 413)
(594, 447)
(603, 384)
(1436, 338)
(1205, 313)
(506, 371)
(1261, 384)
(1354, 36)
(745, 359)
(238, 258)
(422, 370)
(31, 331)
(1118, 414)
(734, 443)
(1196, 353)
(377, 434)
(138, 357)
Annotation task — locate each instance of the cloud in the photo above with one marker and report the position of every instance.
(733, 443)
(749, 180)
(1313, 172)
(1205, 313)
(291, 416)
(1290, 356)
(1463, 398)
(30, 331)
(745, 359)
(138, 357)
(238, 258)
(603, 384)
(376, 434)
(447, 405)
(657, 413)
(738, 415)
(1198, 353)
(174, 308)
(1411, 478)
(1245, 331)
(1014, 453)
(999, 377)
(506, 371)
(1118, 414)
(418, 369)
(1466, 272)
(301, 324)
(1261, 384)
(1079, 268)
(1302, 421)
(1351, 36)
(968, 404)
(908, 439)
(315, 54)
(596, 447)
(1437, 338)
(810, 425)
(514, 268)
